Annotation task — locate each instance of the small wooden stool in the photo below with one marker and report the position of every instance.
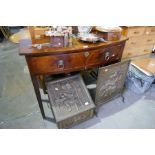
(141, 75)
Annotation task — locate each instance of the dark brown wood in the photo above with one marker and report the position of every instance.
(76, 56)
(105, 56)
(74, 61)
(74, 46)
(41, 80)
(37, 92)
(51, 64)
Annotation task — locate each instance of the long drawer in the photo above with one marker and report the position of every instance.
(136, 42)
(105, 56)
(137, 51)
(65, 63)
(136, 31)
(150, 30)
(56, 63)
(149, 39)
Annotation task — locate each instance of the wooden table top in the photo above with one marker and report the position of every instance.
(74, 45)
(146, 65)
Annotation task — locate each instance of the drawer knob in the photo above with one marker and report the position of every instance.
(60, 64)
(86, 54)
(147, 32)
(133, 43)
(136, 32)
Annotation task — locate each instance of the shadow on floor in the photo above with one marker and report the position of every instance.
(111, 108)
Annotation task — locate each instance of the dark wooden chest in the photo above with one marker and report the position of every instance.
(70, 101)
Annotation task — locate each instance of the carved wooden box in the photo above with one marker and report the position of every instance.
(110, 82)
(110, 36)
(59, 41)
(70, 101)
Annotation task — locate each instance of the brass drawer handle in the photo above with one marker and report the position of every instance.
(60, 64)
(133, 43)
(136, 32)
(107, 56)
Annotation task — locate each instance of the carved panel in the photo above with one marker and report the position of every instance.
(70, 100)
(110, 81)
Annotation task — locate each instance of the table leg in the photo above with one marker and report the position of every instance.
(42, 81)
(38, 95)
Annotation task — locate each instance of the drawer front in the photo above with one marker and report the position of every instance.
(139, 41)
(113, 53)
(56, 64)
(149, 39)
(150, 30)
(135, 42)
(132, 52)
(147, 49)
(105, 56)
(136, 31)
(95, 57)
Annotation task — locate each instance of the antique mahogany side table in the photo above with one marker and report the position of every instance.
(76, 56)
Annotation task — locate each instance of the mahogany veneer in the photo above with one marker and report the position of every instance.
(76, 56)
